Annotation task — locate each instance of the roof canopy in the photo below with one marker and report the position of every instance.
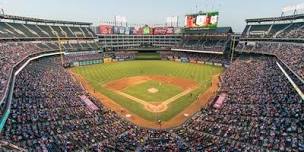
(30, 19)
(281, 18)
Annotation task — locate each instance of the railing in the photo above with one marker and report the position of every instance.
(197, 51)
(291, 81)
(281, 61)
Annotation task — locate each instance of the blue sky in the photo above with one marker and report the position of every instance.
(232, 12)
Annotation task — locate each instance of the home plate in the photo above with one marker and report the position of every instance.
(128, 115)
(153, 90)
(186, 115)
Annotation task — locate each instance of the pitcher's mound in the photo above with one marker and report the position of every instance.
(152, 90)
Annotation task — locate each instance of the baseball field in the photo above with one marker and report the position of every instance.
(151, 91)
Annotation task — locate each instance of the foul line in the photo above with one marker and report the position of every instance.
(164, 103)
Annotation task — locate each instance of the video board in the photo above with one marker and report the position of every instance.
(105, 29)
(202, 20)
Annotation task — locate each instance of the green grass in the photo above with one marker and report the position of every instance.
(147, 56)
(99, 74)
(165, 91)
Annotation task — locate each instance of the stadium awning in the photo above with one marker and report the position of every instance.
(30, 19)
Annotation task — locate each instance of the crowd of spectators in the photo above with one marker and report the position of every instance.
(47, 112)
(204, 45)
(291, 53)
(262, 112)
(125, 55)
(11, 54)
(296, 30)
(82, 56)
(137, 139)
(194, 57)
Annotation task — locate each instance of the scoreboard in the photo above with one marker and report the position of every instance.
(206, 20)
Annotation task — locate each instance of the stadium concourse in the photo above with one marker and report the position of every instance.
(44, 109)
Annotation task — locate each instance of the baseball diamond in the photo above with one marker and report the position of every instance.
(126, 83)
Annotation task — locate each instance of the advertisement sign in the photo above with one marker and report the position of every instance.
(202, 20)
(159, 31)
(131, 30)
(172, 21)
(163, 31)
(177, 30)
(169, 31)
(116, 30)
(121, 30)
(120, 20)
(146, 30)
(292, 8)
(105, 29)
(127, 31)
(137, 31)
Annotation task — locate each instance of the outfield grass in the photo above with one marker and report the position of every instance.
(165, 91)
(97, 75)
(147, 56)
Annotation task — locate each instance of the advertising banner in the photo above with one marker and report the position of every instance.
(127, 31)
(170, 30)
(131, 29)
(116, 30)
(146, 30)
(105, 29)
(159, 31)
(122, 30)
(137, 31)
(163, 31)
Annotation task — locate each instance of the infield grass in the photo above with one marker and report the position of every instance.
(100, 74)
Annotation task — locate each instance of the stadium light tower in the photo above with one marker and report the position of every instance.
(196, 6)
(1, 9)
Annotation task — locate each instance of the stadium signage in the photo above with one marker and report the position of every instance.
(293, 8)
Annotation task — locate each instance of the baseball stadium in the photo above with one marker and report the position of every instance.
(204, 80)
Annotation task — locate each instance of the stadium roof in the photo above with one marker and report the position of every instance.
(30, 19)
(281, 18)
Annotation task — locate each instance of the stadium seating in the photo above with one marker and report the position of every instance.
(210, 40)
(19, 30)
(275, 30)
(291, 53)
(204, 45)
(125, 55)
(195, 57)
(82, 56)
(261, 113)
(11, 54)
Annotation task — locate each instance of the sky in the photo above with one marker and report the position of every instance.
(232, 12)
